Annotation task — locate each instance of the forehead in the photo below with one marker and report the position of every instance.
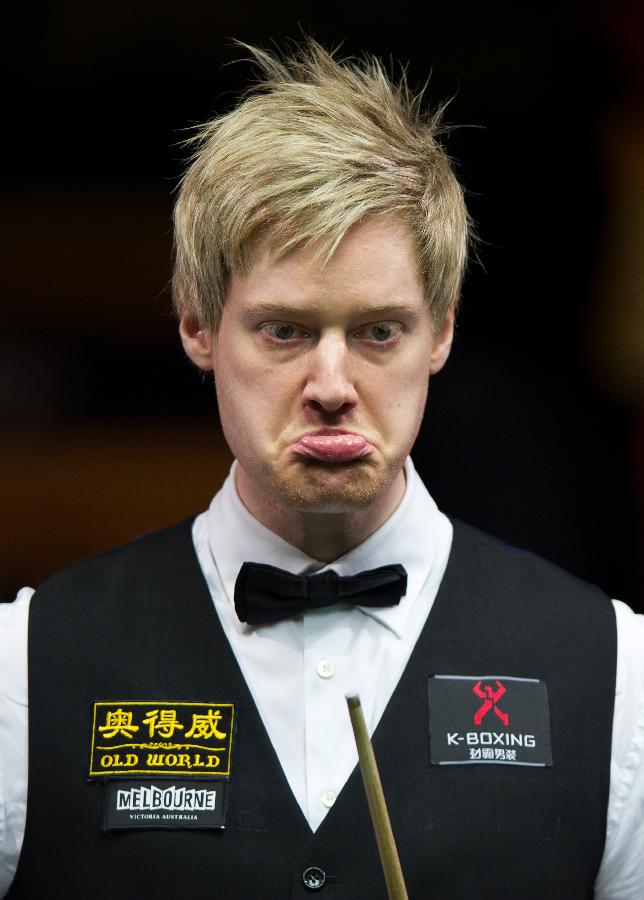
(375, 264)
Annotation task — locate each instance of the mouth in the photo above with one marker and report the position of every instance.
(332, 445)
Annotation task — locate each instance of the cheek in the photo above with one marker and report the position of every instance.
(398, 398)
(254, 395)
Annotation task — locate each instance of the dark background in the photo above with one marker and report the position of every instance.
(535, 431)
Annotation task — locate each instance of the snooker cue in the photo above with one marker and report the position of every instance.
(377, 807)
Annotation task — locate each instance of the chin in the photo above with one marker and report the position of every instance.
(333, 488)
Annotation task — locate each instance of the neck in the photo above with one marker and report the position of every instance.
(325, 536)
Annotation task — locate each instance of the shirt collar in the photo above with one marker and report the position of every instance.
(410, 536)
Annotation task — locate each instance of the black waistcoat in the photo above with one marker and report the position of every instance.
(139, 623)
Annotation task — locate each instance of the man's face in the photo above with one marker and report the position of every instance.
(322, 374)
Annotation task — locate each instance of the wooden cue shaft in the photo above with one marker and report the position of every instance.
(377, 807)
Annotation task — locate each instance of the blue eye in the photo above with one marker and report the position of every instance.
(280, 331)
(380, 332)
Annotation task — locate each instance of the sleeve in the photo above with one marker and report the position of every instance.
(13, 733)
(621, 874)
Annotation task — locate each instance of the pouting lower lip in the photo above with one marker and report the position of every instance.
(334, 447)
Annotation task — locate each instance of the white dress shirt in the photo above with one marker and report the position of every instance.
(299, 671)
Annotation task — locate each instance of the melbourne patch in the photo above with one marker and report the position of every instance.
(489, 719)
(161, 738)
(137, 803)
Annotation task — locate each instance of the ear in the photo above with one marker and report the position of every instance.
(442, 343)
(198, 342)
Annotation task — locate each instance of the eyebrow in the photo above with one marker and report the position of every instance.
(380, 310)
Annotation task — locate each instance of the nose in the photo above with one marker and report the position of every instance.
(329, 384)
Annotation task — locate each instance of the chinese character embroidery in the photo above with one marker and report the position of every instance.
(162, 722)
(118, 721)
(206, 726)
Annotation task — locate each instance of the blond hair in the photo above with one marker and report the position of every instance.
(313, 148)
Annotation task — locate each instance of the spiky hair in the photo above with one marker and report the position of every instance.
(312, 148)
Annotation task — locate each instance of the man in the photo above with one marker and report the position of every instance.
(188, 732)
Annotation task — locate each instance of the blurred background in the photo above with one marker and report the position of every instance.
(535, 430)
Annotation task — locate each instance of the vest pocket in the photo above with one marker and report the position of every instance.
(501, 798)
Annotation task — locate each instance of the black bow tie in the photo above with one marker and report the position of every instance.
(265, 594)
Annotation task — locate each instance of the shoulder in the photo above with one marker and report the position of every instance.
(145, 558)
(503, 563)
(630, 670)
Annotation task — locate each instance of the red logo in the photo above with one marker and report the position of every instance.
(490, 699)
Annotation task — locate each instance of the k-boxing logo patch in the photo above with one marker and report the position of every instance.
(161, 738)
(489, 719)
(164, 804)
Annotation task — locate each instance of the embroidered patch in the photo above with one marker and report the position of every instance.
(137, 803)
(161, 738)
(489, 719)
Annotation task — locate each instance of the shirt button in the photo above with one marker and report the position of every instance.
(325, 668)
(328, 798)
(313, 878)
